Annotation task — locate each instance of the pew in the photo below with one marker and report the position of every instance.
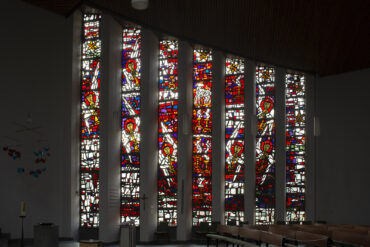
(220, 235)
(312, 239)
(345, 238)
(250, 234)
(272, 239)
(347, 229)
(260, 227)
(288, 232)
(323, 230)
(286, 235)
(228, 234)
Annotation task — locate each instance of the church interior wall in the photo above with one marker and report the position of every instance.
(34, 68)
(342, 166)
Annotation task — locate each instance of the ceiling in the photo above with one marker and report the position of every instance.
(316, 36)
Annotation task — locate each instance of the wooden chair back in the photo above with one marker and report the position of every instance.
(320, 226)
(347, 229)
(312, 239)
(232, 230)
(286, 231)
(315, 229)
(221, 228)
(250, 234)
(272, 238)
(350, 226)
(351, 237)
(260, 227)
(361, 228)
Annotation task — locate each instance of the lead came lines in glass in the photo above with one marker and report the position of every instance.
(167, 136)
(130, 130)
(295, 147)
(90, 121)
(202, 136)
(265, 145)
(234, 137)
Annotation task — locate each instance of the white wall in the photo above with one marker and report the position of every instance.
(34, 65)
(342, 162)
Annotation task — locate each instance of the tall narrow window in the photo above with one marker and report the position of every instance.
(90, 121)
(167, 136)
(295, 147)
(265, 146)
(234, 138)
(131, 107)
(202, 136)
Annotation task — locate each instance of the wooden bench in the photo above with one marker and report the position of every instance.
(293, 235)
(317, 229)
(239, 236)
(362, 228)
(228, 234)
(312, 239)
(272, 239)
(219, 235)
(344, 238)
(288, 232)
(260, 227)
(347, 229)
(250, 234)
(233, 235)
(240, 242)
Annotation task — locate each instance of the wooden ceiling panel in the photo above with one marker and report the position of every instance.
(318, 36)
(62, 7)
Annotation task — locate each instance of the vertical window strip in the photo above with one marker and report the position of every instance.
(90, 121)
(167, 132)
(202, 136)
(130, 125)
(265, 145)
(295, 147)
(234, 138)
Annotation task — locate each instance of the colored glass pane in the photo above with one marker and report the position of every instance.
(234, 138)
(130, 128)
(265, 146)
(90, 121)
(295, 147)
(167, 132)
(202, 136)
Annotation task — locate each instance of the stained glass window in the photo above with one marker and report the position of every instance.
(167, 136)
(234, 138)
(265, 145)
(131, 107)
(90, 121)
(202, 136)
(295, 147)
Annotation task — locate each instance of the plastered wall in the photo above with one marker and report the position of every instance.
(342, 164)
(34, 66)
